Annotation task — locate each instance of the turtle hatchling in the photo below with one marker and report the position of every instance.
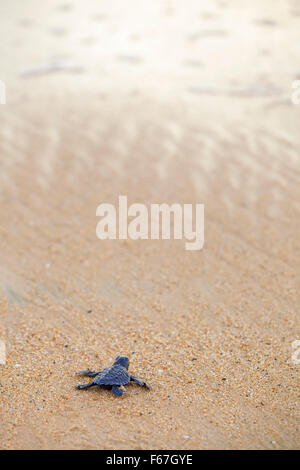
(112, 377)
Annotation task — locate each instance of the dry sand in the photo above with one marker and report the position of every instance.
(164, 103)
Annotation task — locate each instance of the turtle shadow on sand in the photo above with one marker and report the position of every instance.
(112, 377)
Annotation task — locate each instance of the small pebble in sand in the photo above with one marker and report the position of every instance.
(58, 31)
(130, 58)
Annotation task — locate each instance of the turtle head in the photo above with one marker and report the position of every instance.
(122, 361)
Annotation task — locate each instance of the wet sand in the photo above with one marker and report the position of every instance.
(162, 104)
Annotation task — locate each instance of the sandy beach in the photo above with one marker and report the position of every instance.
(164, 104)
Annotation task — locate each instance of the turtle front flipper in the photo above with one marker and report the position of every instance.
(92, 373)
(117, 390)
(139, 382)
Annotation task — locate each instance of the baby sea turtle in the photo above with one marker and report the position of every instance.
(112, 377)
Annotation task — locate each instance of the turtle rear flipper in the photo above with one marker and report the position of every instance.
(81, 387)
(117, 390)
(92, 373)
